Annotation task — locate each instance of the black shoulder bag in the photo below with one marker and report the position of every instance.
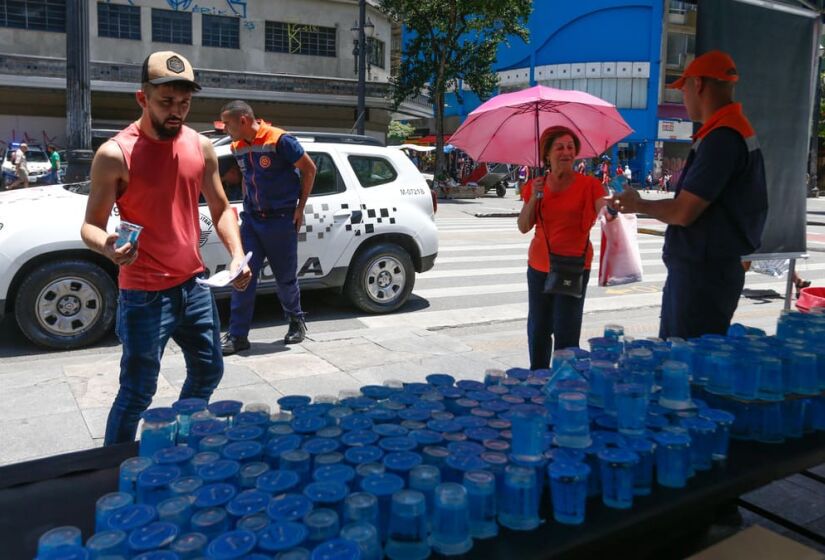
(566, 273)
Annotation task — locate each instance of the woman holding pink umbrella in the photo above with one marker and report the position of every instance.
(561, 207)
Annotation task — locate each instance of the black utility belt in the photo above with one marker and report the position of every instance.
(267, 214)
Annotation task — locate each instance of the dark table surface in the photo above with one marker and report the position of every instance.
(62, 490)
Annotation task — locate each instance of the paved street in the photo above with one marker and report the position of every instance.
(467, 314)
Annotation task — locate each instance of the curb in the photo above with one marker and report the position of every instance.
(496, 215)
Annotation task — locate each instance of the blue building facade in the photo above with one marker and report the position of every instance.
(610, 48)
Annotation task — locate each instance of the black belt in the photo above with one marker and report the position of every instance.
(267, 214)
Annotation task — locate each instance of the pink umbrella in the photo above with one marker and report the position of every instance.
(507, 128)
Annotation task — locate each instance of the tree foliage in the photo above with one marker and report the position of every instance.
(397, 132)
(450, 41)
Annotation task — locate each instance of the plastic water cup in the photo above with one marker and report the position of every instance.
(598, 371)
(153, 484)
(185, 408)
(178, 456)
(159, 430)
(152, 537)
(250, 472)
(613, 331)
(675, 394)
(190, 545)
(361, 507)
(407, 535)
(643, 473)
(211, 522)
(612, 378)
(108, 544)
(701, 433)
(281, 536)
(383, 486)
(572, 426)
(366, 537)
(672, 462)
(328, 494)
(803, 374)
(255, 522)
(793, 417)
(336, 549)
(299, 553)
(771, 423)
(214, 443)
(721, 373)
(129, 471)
(617, 469)
(631, 408)
(401, 462)
(177, 510)
(451, 520)
(568, 490)
(225, 410)
(528, 430)
(233, 544)
(321, 524)
(519, 507)
(493, 377)
(248, 502)
(481, 497)
(127, 232)
(771, 386)
(132, 517)
(721, 435)
(425, 478)
(746, 378)
(57, 537)
(108, 504)
(298, 461)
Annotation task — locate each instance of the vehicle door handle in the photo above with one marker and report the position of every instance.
(341, 215)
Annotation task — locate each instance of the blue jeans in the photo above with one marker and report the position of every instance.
(551, 319)
(145, 321)
(276, 239)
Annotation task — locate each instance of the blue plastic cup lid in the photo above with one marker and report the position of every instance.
(330, 432)
(225, 408)
(104, 541)
(356, 422)
(189, 543)
(499, 424)
(442, 415)
(154, 535)
(173, 455)
(470, 421)
(244, 433)
(465, 448)
(482, 396)
(382, 484)
(159, 475)
(255, 522)
(417, 388)
(482, 433)
(279, 429)
(205, 458)
(608, 439)
(444, 426)
(282, 535)
(288, 507)
(566, 454)
(479, 480)
(416, 414)
(435, 452)
(187, 407)
(277, 481)
(295, 457)
(413, 425)
(337, 549)
(131, 517)
(426, 437)
(510, 400)
(157, 555)
(465, 462)
(231, 545)
(252, 418)
(466, 403)
(213, 495)
(568, 471)
(321, 523)
(247, 503)
(319, 445)
(440, 379)
(307, 424)
(618, 456)
(470, 385)
(327, 492)
(343, 474)
(521, 374)
(496, 445)
(209, 427)
(497, 405)
(242, 450)
(381, 415)
(400, 443)
(359, 438)
(451, 393)
(291, 402)
(358, 403)
(222, 469)
(59, 536)
(159, 415)
(402, 460)
(314, 409)
(65, 552)
(114, 500)
(279, 444)
(640, 444)
(718, 416)
(481, 413)
(364, 454)
(253, 470)
(390, 430)
(173, 506)
(697, 424)
(525, 392)
(135, 464)
(433, 404)
(377, 392)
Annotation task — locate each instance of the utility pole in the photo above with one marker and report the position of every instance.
(78, 91)
(362, 70)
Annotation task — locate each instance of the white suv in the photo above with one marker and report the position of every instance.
(37, 163)
(369, 227)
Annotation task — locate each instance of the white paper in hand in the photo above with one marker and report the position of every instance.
(224, 277)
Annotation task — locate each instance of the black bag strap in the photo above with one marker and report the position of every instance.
(547, 236)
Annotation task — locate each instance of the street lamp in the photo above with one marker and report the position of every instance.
(361, 29)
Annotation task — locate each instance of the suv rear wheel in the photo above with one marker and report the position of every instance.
(66, 304)
(380, 278)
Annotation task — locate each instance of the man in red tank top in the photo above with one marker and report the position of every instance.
(155, 170)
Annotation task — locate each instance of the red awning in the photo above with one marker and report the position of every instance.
(427, 140)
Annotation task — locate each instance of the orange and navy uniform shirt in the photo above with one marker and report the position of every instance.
(567, 218)
(271, 182)
(725, 167)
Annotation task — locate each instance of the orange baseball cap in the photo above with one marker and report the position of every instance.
(713, 64)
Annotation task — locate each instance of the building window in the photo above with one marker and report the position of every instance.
(171, 27)
(221, 31)
(375, 50)
(35, 15)
(296, 38)
(119, 21)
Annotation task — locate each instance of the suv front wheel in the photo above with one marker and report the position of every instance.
(380, 279)
(66, 304)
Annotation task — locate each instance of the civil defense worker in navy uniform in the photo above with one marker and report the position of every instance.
(277, 179)
(719, 210)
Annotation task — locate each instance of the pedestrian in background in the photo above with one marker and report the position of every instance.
(155, 171)
(719, 210)
(54, 162)
(561, 207)
(277, 179)
(21, 168)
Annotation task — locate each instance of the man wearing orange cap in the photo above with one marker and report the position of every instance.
(719, 210)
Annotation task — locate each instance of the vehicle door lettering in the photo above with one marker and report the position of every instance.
(311, 266)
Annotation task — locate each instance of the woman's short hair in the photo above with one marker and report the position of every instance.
(552, 134)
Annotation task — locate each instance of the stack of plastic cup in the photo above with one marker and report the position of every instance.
(617, 471)
(643, 473)
(322, 524)
(366, 537)
(481, 497)
(383, 486)
(407, 534)
(721, 374)
(108, 504)
(572, 427)
(152, 537)
(451, 520)
(721, 435)
(568, 490)
(631, 408)
(159, 430)
(519, 507)
(108, 544)
(702, 433)
(59, 537)
(675, 393)
(176, 510)
(672, 461)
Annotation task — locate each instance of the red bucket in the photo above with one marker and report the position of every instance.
(810, 298)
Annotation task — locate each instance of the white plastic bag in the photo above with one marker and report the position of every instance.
(619, 261)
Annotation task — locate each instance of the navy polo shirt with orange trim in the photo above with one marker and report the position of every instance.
(271, 182)
(726, 168)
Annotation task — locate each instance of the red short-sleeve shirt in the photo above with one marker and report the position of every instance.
(567, 216)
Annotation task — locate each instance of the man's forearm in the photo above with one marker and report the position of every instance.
(306, 188)
(228, 231)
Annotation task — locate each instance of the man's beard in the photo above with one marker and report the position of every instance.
(162, 130)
